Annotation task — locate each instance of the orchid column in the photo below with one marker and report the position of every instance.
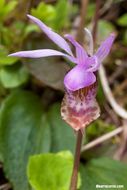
(79, 107)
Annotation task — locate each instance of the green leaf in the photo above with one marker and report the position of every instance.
(103, 171)
(44, 12)
(49, 71)
(43, 136)
(4, 59)
(122, 21)
(13, 76)
(100, 94)
(124, 40)
(30, 28)
(98, 128)
(2, 2)
(9, 7)
(58, 128)
(61, 16)
(23, 132)
(6, 9)
(51, 171)
(90, 11)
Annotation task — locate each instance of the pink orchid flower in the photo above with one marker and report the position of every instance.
(82, 75)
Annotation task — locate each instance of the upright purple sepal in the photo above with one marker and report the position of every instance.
(56, 38)
(105, 47)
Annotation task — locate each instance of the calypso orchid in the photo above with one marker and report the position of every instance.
(79, 106)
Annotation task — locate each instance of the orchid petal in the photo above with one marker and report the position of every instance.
(41, 53)
(105, 47)
(90, 37)
(93, 64)
(78, 78)
(56, 38)
(80, 52)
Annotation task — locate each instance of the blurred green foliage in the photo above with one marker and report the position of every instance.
(98, 128)
(103, 171)
(4, 59)
(44, 12)
(54, 16)
(6, 8)
(13, 76)
(104, 29)
(122, 21)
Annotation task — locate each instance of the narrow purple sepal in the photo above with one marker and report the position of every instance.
(80, 52)
(41, 53)
(56, 38)
(105, 47)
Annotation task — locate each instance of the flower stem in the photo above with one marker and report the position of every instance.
(74, 177)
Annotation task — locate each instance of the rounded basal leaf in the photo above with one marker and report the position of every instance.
(51, 171)
(13, 76)
(7, 60)
(49, 71)
(23, 132)
(103, 171)
(4, 59)
(58, 128)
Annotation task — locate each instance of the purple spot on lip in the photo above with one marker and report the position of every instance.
(82, 111)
